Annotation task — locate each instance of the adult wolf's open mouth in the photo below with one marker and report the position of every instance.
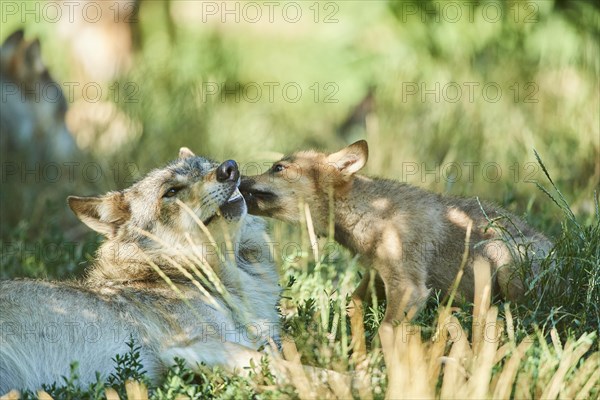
(234, 207)
(235, 197)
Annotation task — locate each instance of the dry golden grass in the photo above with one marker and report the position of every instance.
(488, 362)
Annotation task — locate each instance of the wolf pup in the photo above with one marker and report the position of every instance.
(412, 238)
(183, 272)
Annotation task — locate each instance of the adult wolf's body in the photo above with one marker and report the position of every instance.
(203, 305)
(33, 136)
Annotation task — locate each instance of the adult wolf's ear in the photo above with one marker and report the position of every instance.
(350, 159)
(184, 153)
(33, 58)
(103, 214)
(10, 45)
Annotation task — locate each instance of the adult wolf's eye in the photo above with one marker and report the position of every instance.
(172, 192)
(278, 167)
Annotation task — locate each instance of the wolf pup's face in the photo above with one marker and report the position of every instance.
(168, 203)
(305, 176)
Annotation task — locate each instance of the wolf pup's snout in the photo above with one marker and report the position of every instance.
(228, 171)
(249, 192)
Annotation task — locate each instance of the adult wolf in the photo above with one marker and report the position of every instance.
(412, 238)
(184, 271)
(33, 135)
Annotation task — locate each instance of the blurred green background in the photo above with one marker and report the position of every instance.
(451, 96)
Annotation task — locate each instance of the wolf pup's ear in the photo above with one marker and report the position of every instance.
(184, 153)
(350, 159)
(103, 214)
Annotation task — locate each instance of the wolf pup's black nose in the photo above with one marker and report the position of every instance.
(228, 171)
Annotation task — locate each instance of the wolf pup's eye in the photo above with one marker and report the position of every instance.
(172, 192)
(278, 167)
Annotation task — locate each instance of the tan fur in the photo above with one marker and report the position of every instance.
(412, 238)
(157, 278)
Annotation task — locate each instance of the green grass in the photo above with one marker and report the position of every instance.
(548, 71)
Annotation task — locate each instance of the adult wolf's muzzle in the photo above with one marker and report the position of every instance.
(235, 206)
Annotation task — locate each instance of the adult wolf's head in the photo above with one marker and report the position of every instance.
(305, 176)
(187, 206)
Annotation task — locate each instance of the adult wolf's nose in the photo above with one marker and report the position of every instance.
(228, 171)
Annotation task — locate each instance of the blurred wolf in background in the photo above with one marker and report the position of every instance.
(184, 271)
(33, 104)
(412, 238)
(35, 143)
